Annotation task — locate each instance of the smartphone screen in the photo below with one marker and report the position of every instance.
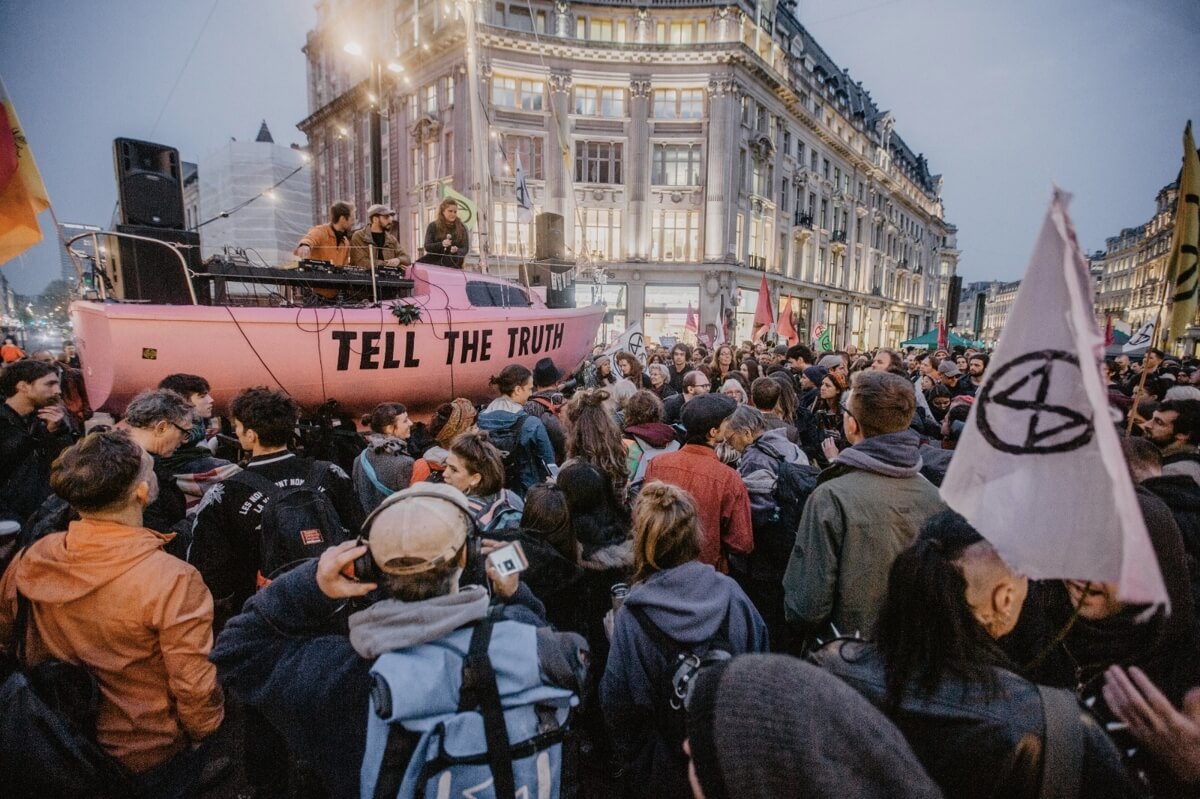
(509, 559)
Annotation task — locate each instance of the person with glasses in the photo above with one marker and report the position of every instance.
(374, 244)
(159, 422)
(695, 384)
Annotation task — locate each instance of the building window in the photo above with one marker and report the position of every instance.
(813, 161)
(429, 103)
(530, 148)
(599, 101)
(449, 150)
(676, 165)
(675, 236)
(504, 92)
(449, 91)
(519, 19)
(600, 233)
(612, 296)
(825, 168)
(517, 93)
(666, 312)
(506, 231)
(431, 160)
(598, 162)
(799, 152)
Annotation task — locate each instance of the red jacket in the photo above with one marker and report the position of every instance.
(722, 502)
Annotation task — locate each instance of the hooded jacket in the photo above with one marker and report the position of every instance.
(688, 603)
(501, 415)
(867, 508)
(641, 437)
(293, 655)
(108, 597)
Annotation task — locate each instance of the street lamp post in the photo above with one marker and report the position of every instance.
(375, 116)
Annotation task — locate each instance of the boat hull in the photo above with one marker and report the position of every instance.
(358, 356)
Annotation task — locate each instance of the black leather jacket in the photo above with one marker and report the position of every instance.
(977, 740)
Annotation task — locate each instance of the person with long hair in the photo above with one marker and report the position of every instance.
(676, 597)
(721, 365)
(631, 369)
(530, 453)
(828, 406)
(594, 437)
(601, 375)
(385, 466)
(476, 468)
(750, 370)
(935, 669)
(446, 237)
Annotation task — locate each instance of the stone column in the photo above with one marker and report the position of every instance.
(637, 159)
(561, 199)
(721, 159)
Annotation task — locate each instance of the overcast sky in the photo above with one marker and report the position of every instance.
(1002, 97)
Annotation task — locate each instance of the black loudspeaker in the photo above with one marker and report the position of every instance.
(150, 271)
(550, 244)
(149, 184)
(952, 299)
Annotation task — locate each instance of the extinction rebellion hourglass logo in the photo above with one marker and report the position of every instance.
(1021, 400)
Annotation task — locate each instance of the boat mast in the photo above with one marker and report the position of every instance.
(480, 136)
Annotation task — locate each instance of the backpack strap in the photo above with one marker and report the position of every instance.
(1062, 761)
(397, 752)
(767, 449)
(369, 471)
(479, 690)
(665, 643)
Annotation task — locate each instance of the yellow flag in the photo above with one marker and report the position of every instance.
(22, 193)
(1182, 277)
(466, 209)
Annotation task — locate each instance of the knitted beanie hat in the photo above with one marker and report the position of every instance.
(769, 726)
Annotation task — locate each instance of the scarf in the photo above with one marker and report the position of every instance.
(391, 624)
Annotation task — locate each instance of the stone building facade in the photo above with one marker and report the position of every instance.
(1131, 270)
(690, 147)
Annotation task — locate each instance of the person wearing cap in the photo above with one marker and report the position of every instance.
(724, 503)
(770, 726)
(545, 403)
(302, 649)
(952, 378)
(866, 508)
(375, 244)
(330, 242)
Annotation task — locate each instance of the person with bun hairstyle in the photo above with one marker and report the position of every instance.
(385, 466)
(510, 426)
(476, 468)
(450, 419)
(674, 596)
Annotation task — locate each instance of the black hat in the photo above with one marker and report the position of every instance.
(545, 373)
(703, 413)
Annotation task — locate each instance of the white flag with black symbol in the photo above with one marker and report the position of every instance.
(631, 341)
(524, 201)
(1038, 470)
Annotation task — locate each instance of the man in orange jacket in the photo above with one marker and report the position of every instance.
(329, 242)
(104, 594)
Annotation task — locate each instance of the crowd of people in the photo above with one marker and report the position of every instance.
(688, 573)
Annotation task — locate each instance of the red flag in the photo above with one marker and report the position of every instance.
(764, 314)
(1108, 331)
(943, 339)
(786, 328)
(690, 324)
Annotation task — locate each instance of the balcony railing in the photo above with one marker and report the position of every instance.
(838, 237)
(804, 220)
(758, 262)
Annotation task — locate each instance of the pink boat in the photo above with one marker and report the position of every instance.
(470, 326)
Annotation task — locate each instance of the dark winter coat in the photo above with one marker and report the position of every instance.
(688, 603)
(537, 408)
(27, 449)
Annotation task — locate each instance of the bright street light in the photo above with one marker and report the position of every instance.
(353, 48)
